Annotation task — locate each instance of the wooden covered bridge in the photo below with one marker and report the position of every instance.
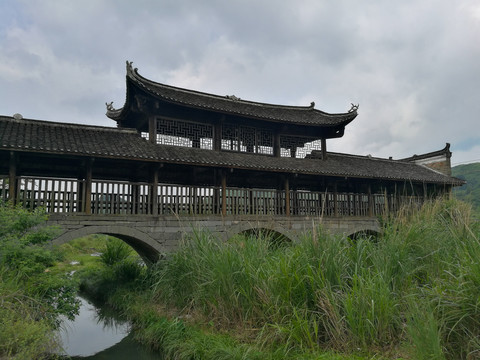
(181, 159)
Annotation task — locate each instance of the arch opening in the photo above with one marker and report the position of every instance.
(367, 233)
(146, 247)
(275, 239)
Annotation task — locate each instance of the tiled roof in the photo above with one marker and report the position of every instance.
(72, 139)
(51, 137)
(443, 152)
(302, 115)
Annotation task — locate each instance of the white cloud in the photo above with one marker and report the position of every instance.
(413, 66)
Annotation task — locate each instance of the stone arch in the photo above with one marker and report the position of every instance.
(148, 249)
(264, 228)
(368, 233)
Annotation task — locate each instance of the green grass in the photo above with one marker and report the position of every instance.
(32, 296)
(334, 293)
(25, 332)
(411, 293)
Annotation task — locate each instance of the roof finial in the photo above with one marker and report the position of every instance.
(312, 104)
(232, 97)
(354, 107)
(129, 66)
(110, 106)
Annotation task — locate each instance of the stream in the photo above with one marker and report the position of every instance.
(98, 333)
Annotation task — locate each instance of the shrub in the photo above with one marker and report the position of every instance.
(115, 251)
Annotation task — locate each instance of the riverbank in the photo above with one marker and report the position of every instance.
(410, 293)
(32, 297)
(177, 336)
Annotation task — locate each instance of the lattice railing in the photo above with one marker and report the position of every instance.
(247, 139)
(184, 133)
(4, 188)
(176, 199)
(122, 197)
(298, 146)
(55, 195)
(116, 197)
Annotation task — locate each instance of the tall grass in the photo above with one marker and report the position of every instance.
(414, 290)
(25, 331)
(32, 297)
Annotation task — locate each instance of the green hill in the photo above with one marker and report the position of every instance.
(471, 191)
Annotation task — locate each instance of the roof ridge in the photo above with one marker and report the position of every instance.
(361, 156)
(67, 125)
(133, 74)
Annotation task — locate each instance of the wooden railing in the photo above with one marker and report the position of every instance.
(117, 197)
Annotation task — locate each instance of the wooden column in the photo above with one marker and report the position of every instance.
(88, 187)
(276, 144)
(12, 181)
(293, 151)
(324, 149)
(152, 129)
(335, 202)
(135, 198)
(224, 193)
(154, 194)
(370, 201)
(287, 197)
(217, 134)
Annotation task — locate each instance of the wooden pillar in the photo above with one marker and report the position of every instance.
(293, 151)
(276, 145)
(88, 187)
(370, 201)
(217, 134)
(12, 179)
(154, 194)
(335, 202)
(152, 129)
(287, 197)
(324, 149)
(135, 198)
(224, 193)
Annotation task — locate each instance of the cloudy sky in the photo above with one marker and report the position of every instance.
(413, 66)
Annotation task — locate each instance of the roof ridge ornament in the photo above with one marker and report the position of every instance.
(110, 106)
(354, 107)
(130, 69)
(232, 97)
(312, 104)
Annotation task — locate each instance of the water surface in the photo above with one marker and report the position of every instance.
(97, 333)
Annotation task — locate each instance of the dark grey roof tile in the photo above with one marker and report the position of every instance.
(62, 138)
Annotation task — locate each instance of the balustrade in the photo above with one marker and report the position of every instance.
(55, 195)
(3, 189)
(121, 197)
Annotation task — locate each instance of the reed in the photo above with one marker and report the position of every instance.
(333, 292)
